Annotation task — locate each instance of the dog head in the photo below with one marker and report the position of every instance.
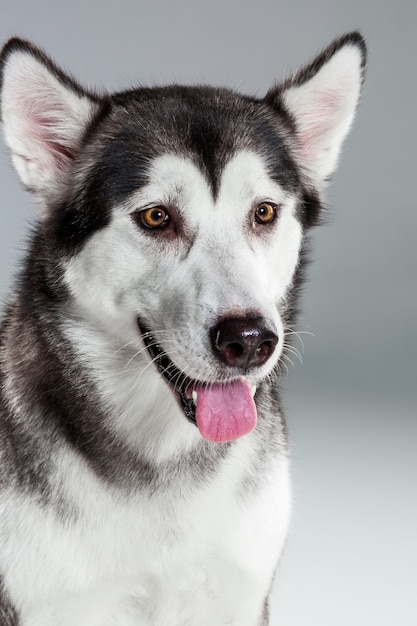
(172, 218)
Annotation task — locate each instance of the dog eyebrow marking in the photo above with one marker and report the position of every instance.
(215, 144)
(179, 182)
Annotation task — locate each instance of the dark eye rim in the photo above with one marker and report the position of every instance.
(139, 218)
(259, 220)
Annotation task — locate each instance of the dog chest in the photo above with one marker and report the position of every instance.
(201, 542)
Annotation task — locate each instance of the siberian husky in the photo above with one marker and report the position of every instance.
(144, 464)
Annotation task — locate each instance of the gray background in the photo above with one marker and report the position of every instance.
(351, 557)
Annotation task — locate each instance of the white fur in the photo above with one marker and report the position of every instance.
(204, 557)
(180, 556)
(128, 561)
(227, 269)
(324, 108)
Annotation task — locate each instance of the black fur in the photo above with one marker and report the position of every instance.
(208, 125)
(48, 376)
(127, 132)
(8, 613)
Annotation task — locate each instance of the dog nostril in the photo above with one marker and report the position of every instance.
(265, 349)
(232, 351)
(243, 342)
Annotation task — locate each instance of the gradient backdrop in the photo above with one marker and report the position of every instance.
(351, 557)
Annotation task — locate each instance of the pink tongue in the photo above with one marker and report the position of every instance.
(225, 412)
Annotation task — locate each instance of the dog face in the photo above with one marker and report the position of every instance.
(172, 218)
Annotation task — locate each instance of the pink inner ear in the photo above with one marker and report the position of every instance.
(48, 129)
(318, 120)
(330, 100)
(43, 131)
(44, 120)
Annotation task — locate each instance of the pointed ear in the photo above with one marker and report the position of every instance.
(321, 100)
(44, 114)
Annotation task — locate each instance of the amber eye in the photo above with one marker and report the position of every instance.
(265, 213)
(155, 217)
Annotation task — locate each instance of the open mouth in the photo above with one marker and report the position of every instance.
(221, 411)
(176, 379)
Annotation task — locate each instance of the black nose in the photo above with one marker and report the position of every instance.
(243, 342)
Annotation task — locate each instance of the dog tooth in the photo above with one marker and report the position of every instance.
(195, 396)
(253, 390)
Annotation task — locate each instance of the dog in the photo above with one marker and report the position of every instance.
(144, 458)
